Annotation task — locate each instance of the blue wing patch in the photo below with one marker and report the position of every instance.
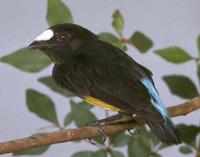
(155, 98)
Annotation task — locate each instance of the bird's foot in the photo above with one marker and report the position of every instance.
(99, 128)
(133, 131)
(95, 123)
(121, 117)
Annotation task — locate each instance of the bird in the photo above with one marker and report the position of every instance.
(105, 76)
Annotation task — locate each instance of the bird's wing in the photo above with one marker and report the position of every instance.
(119, 87)
(116, 80)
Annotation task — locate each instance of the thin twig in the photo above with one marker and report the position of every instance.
(88, 132)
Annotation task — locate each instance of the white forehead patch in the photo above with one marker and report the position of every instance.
(46, 35)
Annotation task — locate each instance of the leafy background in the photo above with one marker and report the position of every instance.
(169, 49)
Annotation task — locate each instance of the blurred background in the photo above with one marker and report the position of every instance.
(167, 23)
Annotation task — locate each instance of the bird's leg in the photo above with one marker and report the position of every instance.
(127, 118)
(121, 117)
(124, 117)
(118, 118)
(101, 131)
(98, 124)
(133, 131)
(105, 120)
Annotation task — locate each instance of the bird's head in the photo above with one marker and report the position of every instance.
(61, 41)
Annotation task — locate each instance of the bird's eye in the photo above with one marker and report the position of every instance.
(64, 36)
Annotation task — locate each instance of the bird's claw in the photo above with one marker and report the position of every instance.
(93, 142)
(102, 132)
(99, 128)
(133, 131)
(93, 124)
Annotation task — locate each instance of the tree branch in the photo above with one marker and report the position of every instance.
(88, 132)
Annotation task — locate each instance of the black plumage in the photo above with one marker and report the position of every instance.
(92, 68)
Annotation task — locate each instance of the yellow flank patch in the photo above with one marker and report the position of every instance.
(100, 103)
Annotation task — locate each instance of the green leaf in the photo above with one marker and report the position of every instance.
(139, 145)
(118, 22)
(120, 139)
(143, 135)
(83, 154)
(81, 113)
(155, 141)
(33, 151)
(140, 41)
(27, 60)
(48, 81)
(82, 104)
(58, 13)
(185, 149)
(174, 55)
(100, 153)
(181, 86)
(121, 45)
(198, 71)
(189, 133)
(68, 119)
(41, 105)
(155, 154)
(137, 148)
(112, 39)
(198, 43)
(81, 119)
(108, 37)
(117, 154)
(163, 145)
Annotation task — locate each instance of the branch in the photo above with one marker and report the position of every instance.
(88, 132)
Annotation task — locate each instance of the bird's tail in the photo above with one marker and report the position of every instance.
(166, 131)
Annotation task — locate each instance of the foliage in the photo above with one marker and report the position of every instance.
(27, 60)
(58, 13)
(33, 151)
(143, 143)
(177, 82)
(174, 55)
(140, 41)
(48, 81)
(41, 105)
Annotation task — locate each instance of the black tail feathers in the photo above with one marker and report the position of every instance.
(166, 131)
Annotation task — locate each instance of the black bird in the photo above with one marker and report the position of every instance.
(104, 75)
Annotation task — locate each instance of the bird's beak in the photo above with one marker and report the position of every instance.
(37, 45)
(42, 41)
(32, 45)
(41, 45)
